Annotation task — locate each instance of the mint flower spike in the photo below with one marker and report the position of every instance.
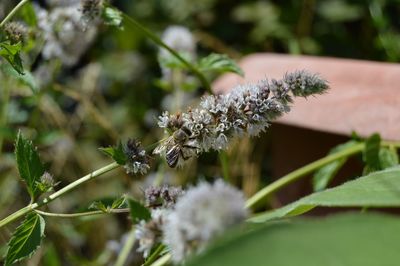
(245, 110)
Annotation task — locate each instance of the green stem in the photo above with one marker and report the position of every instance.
(159, 42)
(12, 13)
(163, 260)
(4, 111)
(154, 255)
(223, 157)
(263, 194)
(57, 194)
(80, 214)
(126, 250)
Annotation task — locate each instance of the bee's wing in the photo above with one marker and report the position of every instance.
(162, 146)
(172, 156)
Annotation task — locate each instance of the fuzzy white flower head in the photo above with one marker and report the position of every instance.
(66, 37)
(180, 39)
(204, 212)
(149, 233)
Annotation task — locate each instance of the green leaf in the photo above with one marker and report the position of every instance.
(26, 78)
(378, 189)
(371, 153)
(326, 173)
(118, 203)
(26, 239)
(29, 165)
(388, 158)
(112, 17)
(220, 63)
(28, 14)
(117, 153)
(352, 239)
(107, 204)
(98, 205)
(138, 211)
(10, 52)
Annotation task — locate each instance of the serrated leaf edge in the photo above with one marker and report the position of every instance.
(42, 221)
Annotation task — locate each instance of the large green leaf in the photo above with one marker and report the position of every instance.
(26, 239)
(219, 63)
(26, 78)
(378, 189)
(29, 165)
(346, 240)
(138, 211)
(11, 53)
(388, 157)
(326, 173)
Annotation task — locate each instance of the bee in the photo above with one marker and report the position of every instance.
(176, 147)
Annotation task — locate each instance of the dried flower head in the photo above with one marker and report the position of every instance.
(247, 109)
(16, 32)
(162, 197)
(137, 159)
(204, 212)
(91, 9)
(46, 183)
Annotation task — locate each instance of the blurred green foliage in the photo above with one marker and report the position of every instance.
(112, 93)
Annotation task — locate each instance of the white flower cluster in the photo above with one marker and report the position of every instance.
(204, 212)
(149, 233)
(247, 109)
(182, 41)
(65, 34)
(160, 200)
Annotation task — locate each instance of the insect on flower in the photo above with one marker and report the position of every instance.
(179, 145)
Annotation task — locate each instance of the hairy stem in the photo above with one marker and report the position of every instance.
(159, 42)
(12, 13)
(64, 190)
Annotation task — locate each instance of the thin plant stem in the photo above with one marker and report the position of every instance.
(223, 157)
(4, 112)
(163, 260)
(159, 42)
(154, 255)
(126, 249)
(57, 194)
(80, 214)
(263, 194)
(12, 13)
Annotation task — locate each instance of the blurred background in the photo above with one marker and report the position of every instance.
(111, 88)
